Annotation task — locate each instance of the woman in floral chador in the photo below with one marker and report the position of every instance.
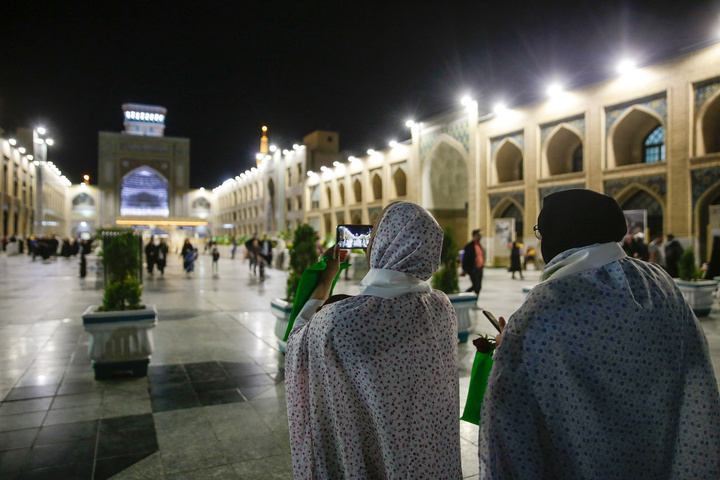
(372, 389)
(604, 371)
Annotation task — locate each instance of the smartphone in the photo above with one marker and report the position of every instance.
(353, 236)
(493, 320)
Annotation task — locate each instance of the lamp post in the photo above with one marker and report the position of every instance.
(40, 152)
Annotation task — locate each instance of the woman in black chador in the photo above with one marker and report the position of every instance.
(515, 265)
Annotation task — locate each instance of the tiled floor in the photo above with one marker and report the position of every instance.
(213, 403)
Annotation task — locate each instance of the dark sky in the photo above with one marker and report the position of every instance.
(224, 69)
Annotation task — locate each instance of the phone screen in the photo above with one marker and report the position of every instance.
(353, 236)
(493, 320)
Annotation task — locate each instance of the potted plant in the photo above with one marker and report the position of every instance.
(120, 337)
(446, 280)
(302, 255)
(698, 293)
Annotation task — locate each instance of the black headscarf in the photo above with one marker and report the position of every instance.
(578, 218)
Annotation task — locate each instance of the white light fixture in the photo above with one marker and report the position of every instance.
(323, 168)
(36, 163)
(12, 141)
(267, 157)
(202, 189)
(41, 130)
(259, 156)
(50, 141)
(351, 158)
(392, 144)
(295, 146)
(410, 123)
(21, 149)
(626, 66)
(83, 224)
(336, 164)
(273, 148)
(30, 157)
(466, 100)
(499, 108)
(371, 152)
(310, 173)
(554, 89)
(285, 152)
(253, 169)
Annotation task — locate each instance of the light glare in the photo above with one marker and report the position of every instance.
(499, 108)
(392, 144)
(554, 89)
(626, 66)
(410, 123)
(50, 141)
(41, 130)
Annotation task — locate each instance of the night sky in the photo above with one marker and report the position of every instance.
(358, 68)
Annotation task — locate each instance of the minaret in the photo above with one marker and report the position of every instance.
(263, 144)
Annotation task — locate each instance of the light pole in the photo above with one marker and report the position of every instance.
(40, 152)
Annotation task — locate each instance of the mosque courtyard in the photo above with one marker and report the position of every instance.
(213, 403)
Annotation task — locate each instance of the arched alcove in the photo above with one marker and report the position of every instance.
(377, 187)
(341, 191)
(400, 181)
(563, 151)
(702, 214)
(201, 203)
(628, 136)
(357, 188)
(315, 197)
(445, 177)
(328, 194)
(509, 209)
(144, 192)
(710, 125)
(640, 199)
(82, 201)
(509, 162)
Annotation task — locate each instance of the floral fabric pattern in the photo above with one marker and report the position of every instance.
(603, 373)
(372, 389)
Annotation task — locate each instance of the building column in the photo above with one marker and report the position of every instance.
(678, 210)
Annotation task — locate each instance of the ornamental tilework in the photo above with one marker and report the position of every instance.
(519, 137)
(703, 179)
(578, 123)
(459, 130)
(496, 198)
(658, 105)
(703, 93)
(545, 191)
(655, 183)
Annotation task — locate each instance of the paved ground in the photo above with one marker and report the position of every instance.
(213, 404)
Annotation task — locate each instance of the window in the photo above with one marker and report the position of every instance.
(654, 146)
(315, 197)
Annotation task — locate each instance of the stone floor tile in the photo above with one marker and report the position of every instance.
(222, 472)
(199, 458)
(149, 468)
(77, 399)
(277, 467)
(21, 420)
(15, 439)
(25, 406)
(73, 414)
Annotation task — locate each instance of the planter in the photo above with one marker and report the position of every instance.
(699, 295)
(281, 309)
(120, 340)
(462, 303)
(95, 270)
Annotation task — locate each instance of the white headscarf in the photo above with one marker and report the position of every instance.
(371, 381)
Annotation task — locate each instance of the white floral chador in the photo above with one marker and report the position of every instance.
(372, 389)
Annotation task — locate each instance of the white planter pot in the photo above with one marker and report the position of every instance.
(281, 309)
(120, 340)
(462, 303)
(95, 270)
(699, 295)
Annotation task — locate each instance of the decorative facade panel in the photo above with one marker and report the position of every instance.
(703, 179)
(657, 104)
(577, 122)
(545, 191)
(518, 137)
(655, 183)
(704, 92)
(459, 130)
(496, 198)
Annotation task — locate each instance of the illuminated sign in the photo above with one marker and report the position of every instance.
(145, 117)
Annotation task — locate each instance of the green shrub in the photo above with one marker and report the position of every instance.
(122, 261)
(686, 266)
(446, 278)
(302, 255)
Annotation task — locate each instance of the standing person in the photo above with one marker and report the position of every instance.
(604, 371)
(673, 251)
(640, 247)
(266, 250)
(150, 256)
(215, 258)
(515, 263)
(371, 380)
(713, 269)
(161, 256)
(187, 246)
(250, 252)
(656, 250)
(474, 261)
(234, 248)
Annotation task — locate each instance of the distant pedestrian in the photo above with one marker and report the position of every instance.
(713, 269)
(266, 250)
(189, 261)
(150, 256)
(473, 262)
(161, 256)
(234, 247)
(656, 250)
(251, 251)
(215, 258)
(640, 249)
(673, 251)
(515, 264)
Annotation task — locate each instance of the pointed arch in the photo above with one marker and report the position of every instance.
(629, 199)
(445, 175)
(561, 149)
(508, 161)
(341, 191)
(708, 126)
(144, 192)
(328, 194)
(627, 135)
(400, 182)
(200, 203)
(357, 189)
(377, 186)
(702, 219)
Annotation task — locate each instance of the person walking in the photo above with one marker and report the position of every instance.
(604, 371)
(215, 257)
(515, 263)
(234, 248)
(150, 255)
(161, 256)
(673, 251)
(371, 380)
(250, 251)
(473, 262)
(656, 250)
